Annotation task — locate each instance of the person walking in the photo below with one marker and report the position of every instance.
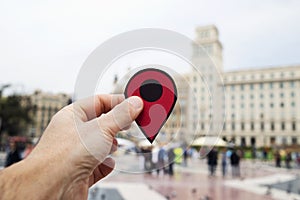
(212, 161)
(288, 160)
(161, 160)
(171, 160)
(13, 154)
(224, 163)
(235, 164)
(277, 159)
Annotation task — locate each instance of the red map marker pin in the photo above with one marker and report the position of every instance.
(159, 94)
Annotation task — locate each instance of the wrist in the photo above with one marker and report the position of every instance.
(30, 179)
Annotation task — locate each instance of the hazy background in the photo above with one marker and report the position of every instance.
(44, 43)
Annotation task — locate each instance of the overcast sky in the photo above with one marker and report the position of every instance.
(44, 43)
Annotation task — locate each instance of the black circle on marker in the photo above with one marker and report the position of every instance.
(151, 90)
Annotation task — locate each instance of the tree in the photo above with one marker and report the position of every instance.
(16, 113)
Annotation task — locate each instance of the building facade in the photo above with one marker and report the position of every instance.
(46, 104)
(262, 106)
(259, 106)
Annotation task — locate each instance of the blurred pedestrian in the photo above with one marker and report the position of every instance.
(178, 155)
(161, 160)
(235, 163)
(265, 154)
(212, 161)
(171, 160)
(224, 163)
(13, 154)
(277, 159)
(288, 159)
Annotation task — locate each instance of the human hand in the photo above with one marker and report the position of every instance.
(72, 153)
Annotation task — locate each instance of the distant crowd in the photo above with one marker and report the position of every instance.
(162, 159)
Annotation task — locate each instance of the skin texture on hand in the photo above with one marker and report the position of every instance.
(72, 153)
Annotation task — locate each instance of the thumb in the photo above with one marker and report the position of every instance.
(121, 116)
(99, 142)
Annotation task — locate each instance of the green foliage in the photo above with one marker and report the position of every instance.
(16, 114)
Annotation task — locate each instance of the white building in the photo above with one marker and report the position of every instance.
(261, 104)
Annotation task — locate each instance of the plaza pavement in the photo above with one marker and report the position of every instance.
(193, 182)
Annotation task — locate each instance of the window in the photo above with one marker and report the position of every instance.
(251, 105)
(243, 141)
(271, 105)
(242, 96)
(202, 126)
(242, 87)
(253, 141)
(272, 140)
(251, 86)
(251, 96)
(294, 126)
(281, 85)
(271, 85)
(242, 105)
(224, 126)
(271, 95)
(232, 97)
(233, 126)
(294, 140)
(292, 84)
(252, 126)
(261, 105)
(272, 126)
(195, 79)
(261, 85)
(282, 126)
(242, 126)
(284, 141)
(292, 94)
(281, 105)
(232, 88)
(261, 96)
(293, 104)
(281, 95)
(262, 126)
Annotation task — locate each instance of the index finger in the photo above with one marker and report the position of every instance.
(92, 107)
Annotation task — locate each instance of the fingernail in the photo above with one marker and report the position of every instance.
(135, 101)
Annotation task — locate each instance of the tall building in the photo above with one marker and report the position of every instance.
(207, 95)
(259, 107)
(47, 104)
